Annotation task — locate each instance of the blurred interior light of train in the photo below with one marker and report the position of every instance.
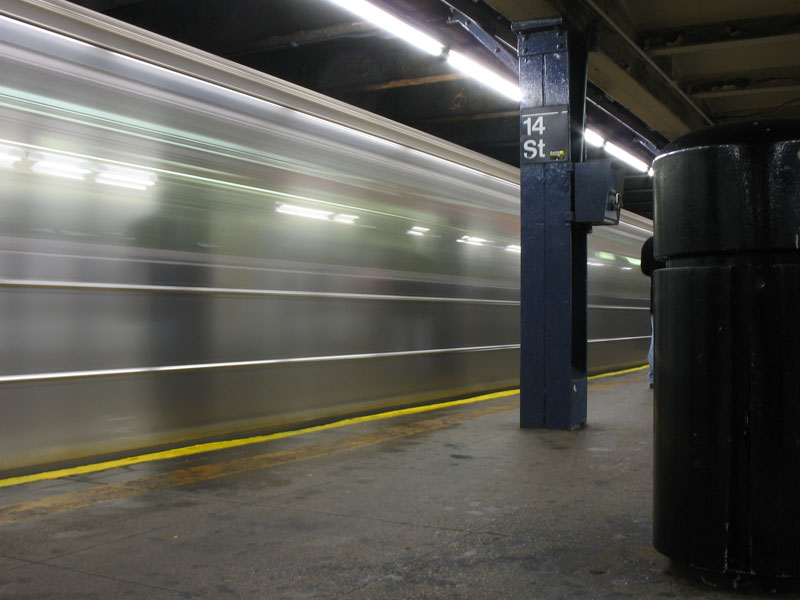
(55, 164)
(10, 156)
(472, 240)
(302, 211)
(316, 214)
(418, 231)
(68, 167)
(126, 178)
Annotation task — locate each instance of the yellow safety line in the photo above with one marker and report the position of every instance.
(633, 370)
(213, 446)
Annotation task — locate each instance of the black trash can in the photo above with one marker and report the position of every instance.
(727, 375)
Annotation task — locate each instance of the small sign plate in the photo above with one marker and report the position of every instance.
(544, 134)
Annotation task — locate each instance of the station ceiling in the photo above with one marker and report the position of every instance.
(657, 69)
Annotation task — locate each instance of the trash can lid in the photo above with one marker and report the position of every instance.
(729, 189)
(744, 132)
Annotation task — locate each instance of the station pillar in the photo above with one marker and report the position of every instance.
(552, 75)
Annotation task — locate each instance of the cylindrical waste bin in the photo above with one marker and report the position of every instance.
(727, 344)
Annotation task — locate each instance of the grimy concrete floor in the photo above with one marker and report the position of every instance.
(454, 503)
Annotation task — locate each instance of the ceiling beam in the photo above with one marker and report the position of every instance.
(729, 34)
(497, 129)
(401, 83)
(300, 38)
(496, 46)
(621, 69)
(618, 70)
(739, 88)
(604, 113)
(773, 109)
(465, 118)
(493, 23)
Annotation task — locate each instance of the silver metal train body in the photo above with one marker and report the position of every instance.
(189, 249)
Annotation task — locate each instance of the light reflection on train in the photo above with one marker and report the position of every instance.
(183, 259)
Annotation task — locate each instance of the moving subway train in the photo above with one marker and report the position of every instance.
(189, 249)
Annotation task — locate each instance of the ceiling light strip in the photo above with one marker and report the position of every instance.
(463, 63)
(416, 37)
(388, 22)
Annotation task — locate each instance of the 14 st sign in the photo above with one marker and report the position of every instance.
(544, 135)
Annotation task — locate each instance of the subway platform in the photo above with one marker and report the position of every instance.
(456, 502)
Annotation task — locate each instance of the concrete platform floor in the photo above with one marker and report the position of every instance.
(455, 503)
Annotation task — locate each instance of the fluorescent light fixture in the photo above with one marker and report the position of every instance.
(392, 24)
(595, 264)
(471, 240)
(9, 156)
(45, 163)
(346, 219)
(484, 75)
(123, 177)
(514, 248)
(388, 22)
(301, 211)
(626, 157)
(634, 261)
(627, 268)
(602, 255)
(593, 138)
(417, 233)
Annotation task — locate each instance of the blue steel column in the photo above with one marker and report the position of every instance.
(553, 63)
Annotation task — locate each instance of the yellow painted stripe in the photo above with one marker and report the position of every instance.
(623, 372)
(213, 446)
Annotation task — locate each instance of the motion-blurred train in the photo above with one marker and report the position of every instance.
(190, 249)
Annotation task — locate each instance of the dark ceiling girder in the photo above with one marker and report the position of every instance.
(509, 60)
(612, 40)
(600, 107)
(623, 51)
(739, 88)
(733, 33)
(490, 21)
(484, 25)
(400, 83)
(620, 52)
(300, 38)
(463, 118)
